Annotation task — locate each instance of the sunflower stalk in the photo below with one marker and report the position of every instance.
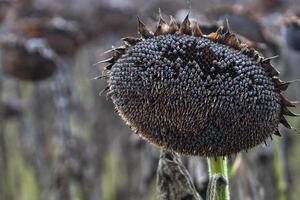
(173, 179)
(218, 179)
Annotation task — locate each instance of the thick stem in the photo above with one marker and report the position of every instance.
(218, 179)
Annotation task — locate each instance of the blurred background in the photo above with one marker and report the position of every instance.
(60, 140)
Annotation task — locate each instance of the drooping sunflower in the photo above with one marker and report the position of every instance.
(196, 94)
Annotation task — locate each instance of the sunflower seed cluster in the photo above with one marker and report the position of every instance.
(194, 96)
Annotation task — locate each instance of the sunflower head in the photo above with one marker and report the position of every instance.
(27, 59)
(195, 94)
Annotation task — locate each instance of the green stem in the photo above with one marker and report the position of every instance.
(279, 170)
(218, 179)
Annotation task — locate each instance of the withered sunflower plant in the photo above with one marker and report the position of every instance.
(195, 94)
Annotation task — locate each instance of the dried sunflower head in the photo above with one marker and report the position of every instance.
(196, 94)
(62, 35)
(27, 59)
(10, 109)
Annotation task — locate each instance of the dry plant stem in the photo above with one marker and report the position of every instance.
(218, 179)
(173, 179)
